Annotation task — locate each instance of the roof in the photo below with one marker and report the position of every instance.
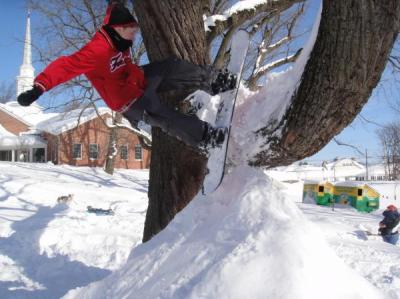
(30, 116)
(63, 122)
(8, 142)
(350, 184)
(56, 123)
(345, 162)
(4, 132)
(317, 182)
(373, 170)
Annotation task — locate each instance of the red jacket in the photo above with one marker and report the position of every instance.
(112, 73)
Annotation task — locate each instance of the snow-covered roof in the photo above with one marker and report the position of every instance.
(349, 184)
(4, 132)
(63, 122)
(344, 162)
(56, 123)
(31, 115)
(316, 182)
(373, 170)
(8, 142)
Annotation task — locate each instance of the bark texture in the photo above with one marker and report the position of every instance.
(171, 27)
(353, 44)
(112, 143)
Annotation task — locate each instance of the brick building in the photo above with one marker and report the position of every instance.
(75, 138)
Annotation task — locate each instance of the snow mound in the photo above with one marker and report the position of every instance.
(246, 240)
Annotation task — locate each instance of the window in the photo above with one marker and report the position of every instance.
(123, 152)
(138, 152)
(77, 151)
(39, 155)
(5, 155)
(360, 192)
(321, 189)
(93, 151)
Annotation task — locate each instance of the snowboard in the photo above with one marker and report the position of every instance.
(217, 156)
(368, 233)
(99, 212)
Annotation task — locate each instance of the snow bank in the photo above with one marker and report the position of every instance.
(244, 241)
(266, 107)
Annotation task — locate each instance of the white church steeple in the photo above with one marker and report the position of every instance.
(26, 71)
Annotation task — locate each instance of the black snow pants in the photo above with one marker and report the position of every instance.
(167, 75)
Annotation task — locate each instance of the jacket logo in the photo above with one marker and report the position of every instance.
(117, 61)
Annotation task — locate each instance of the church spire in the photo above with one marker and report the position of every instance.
(26, 71)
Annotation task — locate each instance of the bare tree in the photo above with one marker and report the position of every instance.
(268, 21)
(389, 136)
(112, 146)
(68, 25)
(7, 92)
(278, 32)
(352, 47)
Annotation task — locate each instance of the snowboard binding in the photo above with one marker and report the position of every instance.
(190, 106)
(224, 81)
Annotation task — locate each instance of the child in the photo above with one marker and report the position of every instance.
(390, 221)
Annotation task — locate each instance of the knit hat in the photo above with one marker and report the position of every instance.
(119, 15)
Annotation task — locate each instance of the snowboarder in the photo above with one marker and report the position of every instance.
(132, 90)
(390, 221)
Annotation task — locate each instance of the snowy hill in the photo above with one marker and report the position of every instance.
(247, 240)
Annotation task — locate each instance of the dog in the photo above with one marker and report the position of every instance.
(65, 199)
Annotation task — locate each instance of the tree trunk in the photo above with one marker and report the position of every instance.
(352, 47)
(354, 40)
(112, 143)
(171, 27)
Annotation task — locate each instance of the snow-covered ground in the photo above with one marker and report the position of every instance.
(249, 239)
(47, 248)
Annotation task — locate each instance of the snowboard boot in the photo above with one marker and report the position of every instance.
(224, 80)
(213, 137)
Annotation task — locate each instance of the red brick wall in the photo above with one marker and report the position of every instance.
(12, 124)
(95, 132)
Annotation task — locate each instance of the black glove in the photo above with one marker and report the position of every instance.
(28, 97)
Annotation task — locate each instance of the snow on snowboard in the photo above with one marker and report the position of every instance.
(217, 156)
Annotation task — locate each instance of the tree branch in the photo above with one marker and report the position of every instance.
(338, 142)
(239, 17)
(333, 91)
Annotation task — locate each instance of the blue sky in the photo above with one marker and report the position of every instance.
(359, 133)
(12, 30)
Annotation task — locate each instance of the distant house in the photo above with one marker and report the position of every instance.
(343, 169)
(17, 141)
(376, 172)
(74, 138)
(346, 169)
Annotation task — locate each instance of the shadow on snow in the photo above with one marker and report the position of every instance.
(57, 274)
